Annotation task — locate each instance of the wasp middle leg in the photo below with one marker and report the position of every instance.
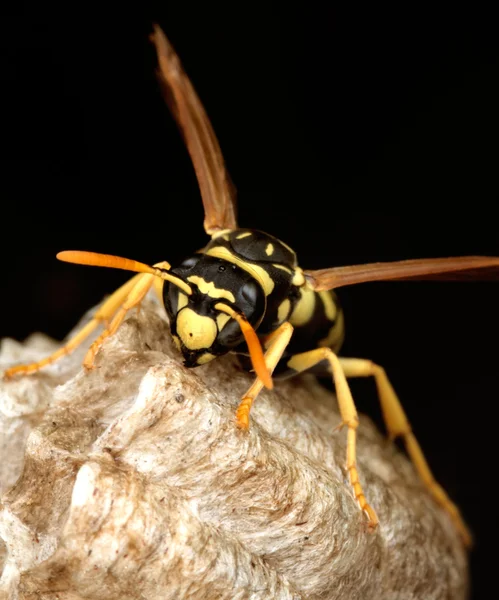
(307, 360)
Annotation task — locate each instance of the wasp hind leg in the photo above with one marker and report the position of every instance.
(307, 360)
(111, 313)
(398, 425)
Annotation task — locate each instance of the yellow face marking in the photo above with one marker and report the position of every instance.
(222, 319)
(242, 235)
(196, 331)
(282, 267)
(304, 308)
(182, 301)
(204, 358)
(208, 288)
(329, 306)
(298, 277)
(269, 250)
(257, 272)
(283, 310)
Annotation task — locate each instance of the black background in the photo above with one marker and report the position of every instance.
(353, 134)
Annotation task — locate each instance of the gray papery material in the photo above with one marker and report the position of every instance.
(134, 482)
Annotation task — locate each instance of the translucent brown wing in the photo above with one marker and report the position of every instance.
(217, 191)
(458, 268)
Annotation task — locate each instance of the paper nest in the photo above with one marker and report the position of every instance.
(132, 481)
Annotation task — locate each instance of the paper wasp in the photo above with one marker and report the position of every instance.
(245, 293)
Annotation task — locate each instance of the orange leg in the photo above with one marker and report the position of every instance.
(275, 343)
(398, 425)
(133, 299)
(103, 315)
(128, 295)
(306, 360)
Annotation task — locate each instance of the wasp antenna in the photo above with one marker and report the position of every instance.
(254, 346)
(94, 259)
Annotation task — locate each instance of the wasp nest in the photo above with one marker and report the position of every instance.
(132, 481)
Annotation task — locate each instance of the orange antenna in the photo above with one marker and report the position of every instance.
(117, 262)
(254, 346)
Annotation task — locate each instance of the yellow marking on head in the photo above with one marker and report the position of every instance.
(243, 235)
(204, 358)
(208, 288)
(176, 340)
(196, 331)
(330, 307)
(283, 310)
(222, 232)
(256, 271)
(269, 250)
(336, 334)
(282, 267)
(304, 308)
(222, 319)
(182, 301)
(298, 277)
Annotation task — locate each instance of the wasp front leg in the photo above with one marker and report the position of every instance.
(111, 314)
(103, 315)
(398, 425)
(275, 345)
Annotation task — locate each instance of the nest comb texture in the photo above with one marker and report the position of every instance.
(132, 481)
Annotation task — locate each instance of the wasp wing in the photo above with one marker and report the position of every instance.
(458, 268)
(217, 191)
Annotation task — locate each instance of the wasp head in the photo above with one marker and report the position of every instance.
(201, 324)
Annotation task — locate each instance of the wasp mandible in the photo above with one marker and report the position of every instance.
(245, 293)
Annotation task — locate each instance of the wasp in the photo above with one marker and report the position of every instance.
(245, 293)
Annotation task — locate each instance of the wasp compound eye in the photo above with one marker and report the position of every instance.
(190, 262)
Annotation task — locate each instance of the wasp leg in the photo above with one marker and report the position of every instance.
(398, 425)
(133, 299)
(307, 360)
(103, 315)
(275, 345)
(119, 298)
